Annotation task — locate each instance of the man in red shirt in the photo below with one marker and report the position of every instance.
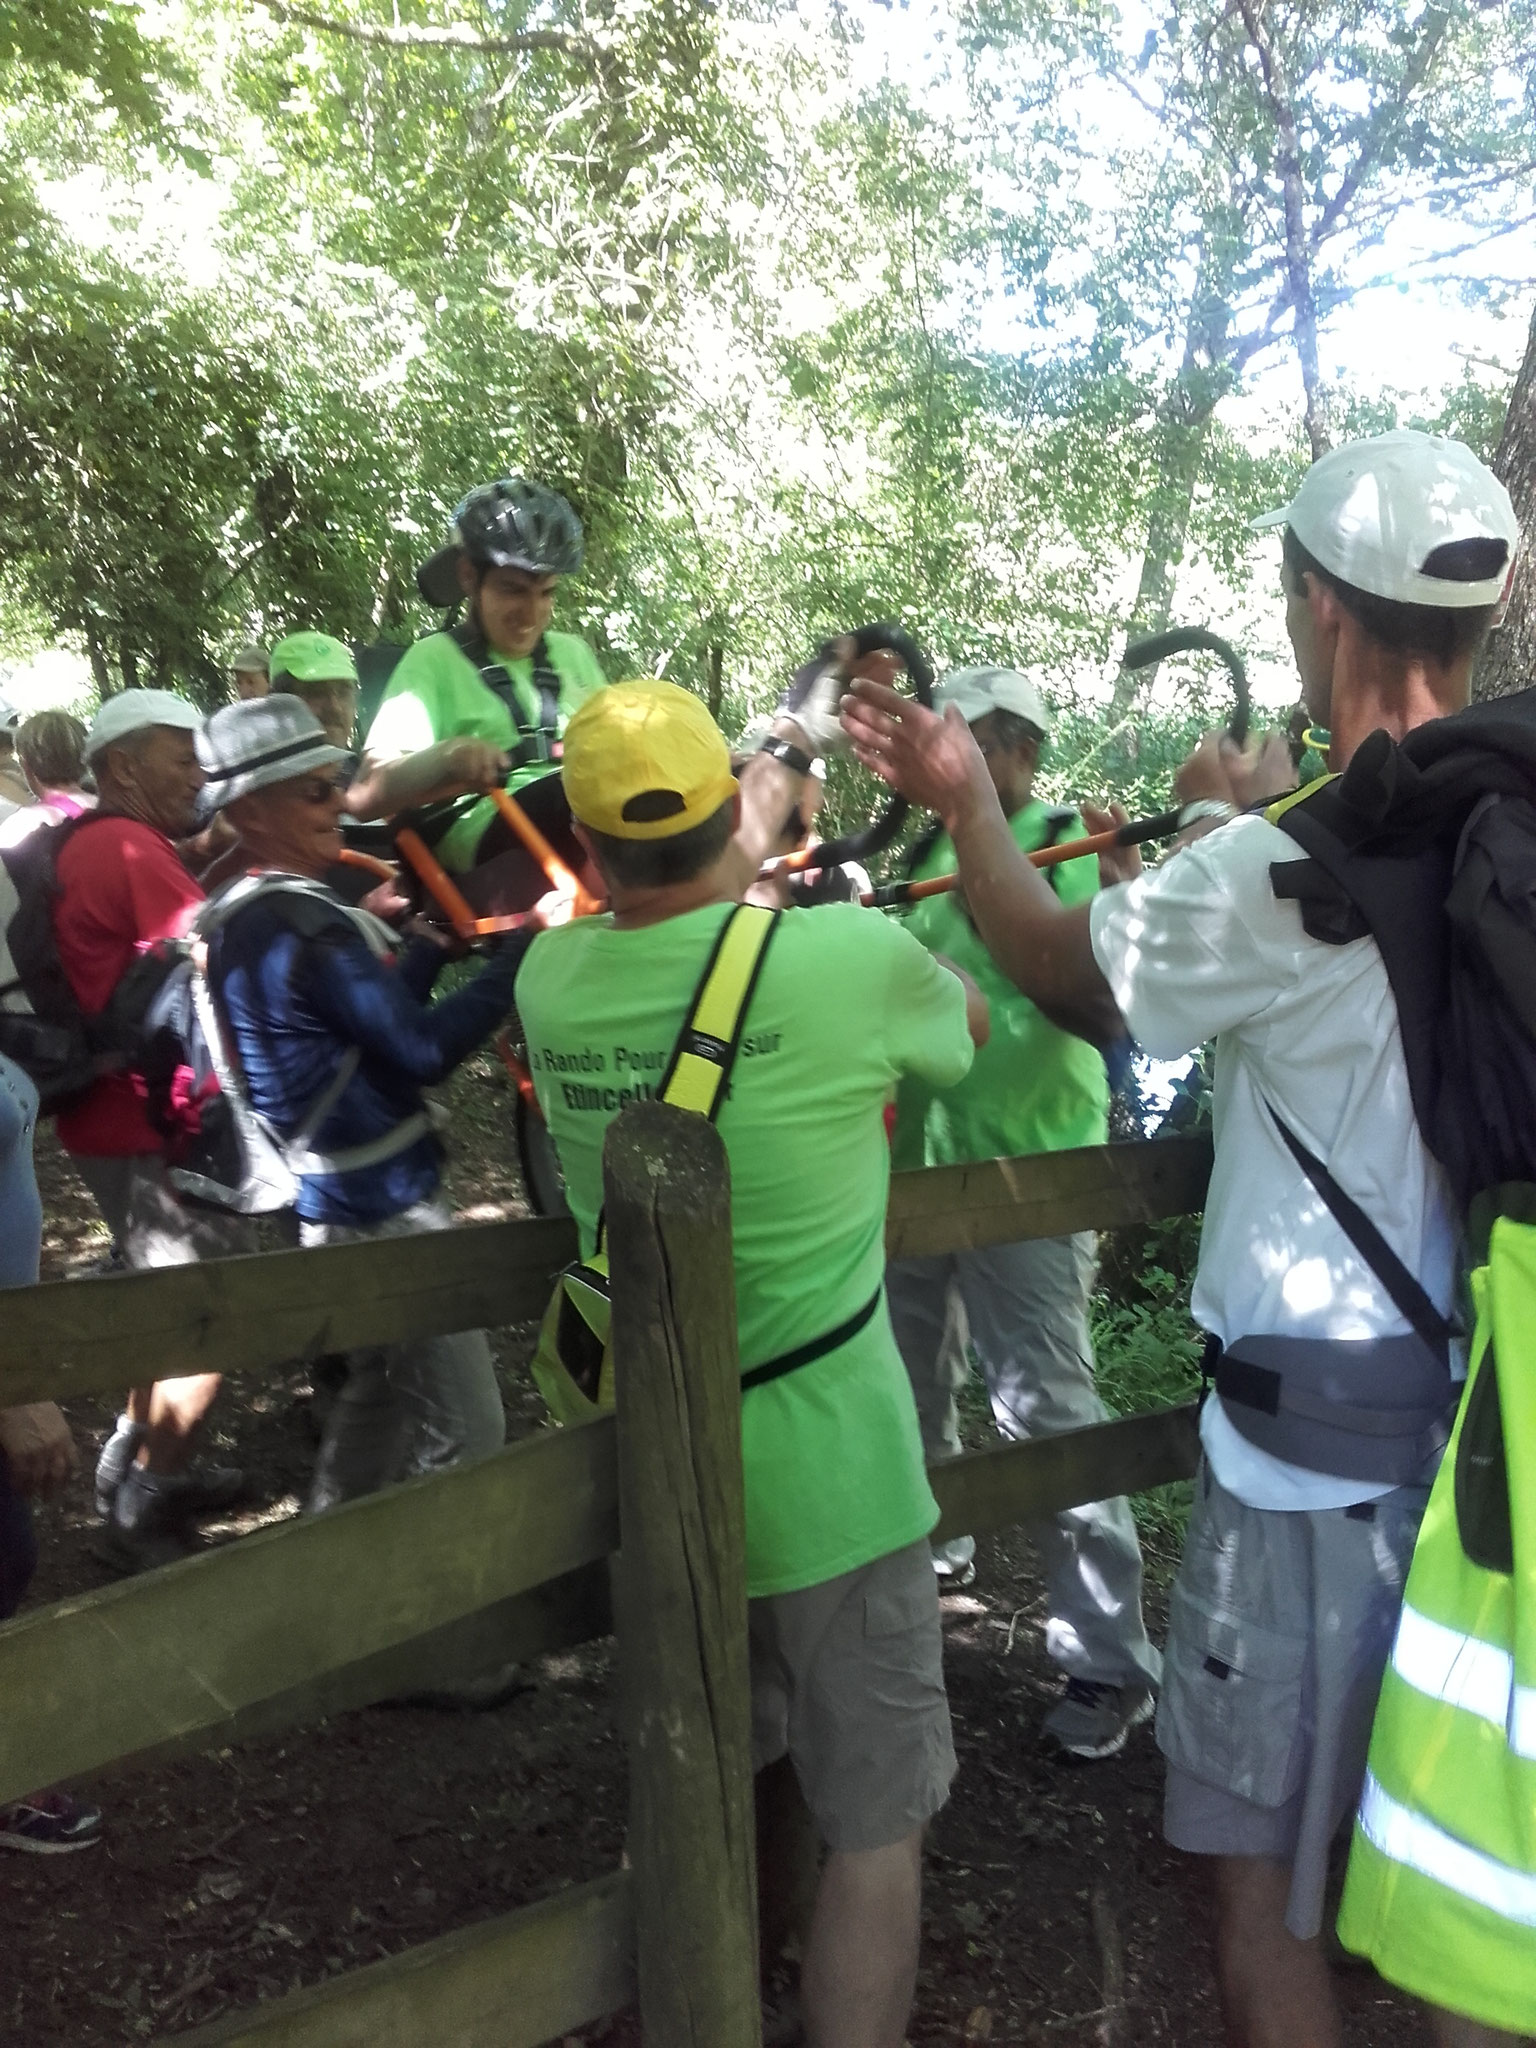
(121, 887)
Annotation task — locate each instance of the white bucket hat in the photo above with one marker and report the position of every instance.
(262, 741)
(976, 691)
(1373, 513)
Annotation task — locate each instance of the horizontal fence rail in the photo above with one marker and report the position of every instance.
(1048, 1194)
(269, 1310)
(504, 1559)
(268, 1632)
(514, 1982)
(180, 1651)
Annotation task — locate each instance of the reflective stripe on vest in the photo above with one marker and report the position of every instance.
(1441, 1889)
(1405, 1837)
(1466, 1672)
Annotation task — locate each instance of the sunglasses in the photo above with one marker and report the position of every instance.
(322, 790)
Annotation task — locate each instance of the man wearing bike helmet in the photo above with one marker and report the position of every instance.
(496, 689)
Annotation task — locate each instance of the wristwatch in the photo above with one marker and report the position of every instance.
(796, 759)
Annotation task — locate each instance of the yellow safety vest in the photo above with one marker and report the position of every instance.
(1441, 1891)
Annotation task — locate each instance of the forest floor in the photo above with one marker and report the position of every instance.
(1054, 1913)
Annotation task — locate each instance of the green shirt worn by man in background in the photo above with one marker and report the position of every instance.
(1031, 1087)
(1023, 1308)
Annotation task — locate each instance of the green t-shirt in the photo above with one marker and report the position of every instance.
(1032, 1088)
(437, 693)
(846, 1003)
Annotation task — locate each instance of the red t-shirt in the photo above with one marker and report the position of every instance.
(121, 886)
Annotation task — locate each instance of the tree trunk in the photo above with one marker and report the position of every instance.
(101, 668)
(1181, 444)
(1508, 662)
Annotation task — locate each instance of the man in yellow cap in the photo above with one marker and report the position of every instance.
(837, 1502)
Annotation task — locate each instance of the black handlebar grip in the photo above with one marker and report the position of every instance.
(1186, 639)
(881, 832)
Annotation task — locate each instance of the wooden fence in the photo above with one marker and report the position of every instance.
(510, 1558)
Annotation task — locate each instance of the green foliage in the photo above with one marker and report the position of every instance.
(675, 260)
(128, 440)
(1148, 1356)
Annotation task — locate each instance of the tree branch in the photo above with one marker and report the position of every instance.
(454, 36)
(1298, 251)
(1436, 22)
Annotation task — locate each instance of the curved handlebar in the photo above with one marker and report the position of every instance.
(1183, 640)
(882, 831)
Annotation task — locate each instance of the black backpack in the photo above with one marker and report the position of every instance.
(1428, 844)
(42, 1026)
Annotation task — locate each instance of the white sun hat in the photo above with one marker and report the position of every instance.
(976, 691)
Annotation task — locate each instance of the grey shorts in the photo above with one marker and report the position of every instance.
(1279, 1629)
(848, 1681)
(152, 1225)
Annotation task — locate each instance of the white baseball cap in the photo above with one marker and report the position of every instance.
(976, 691)
(10, 717)
(131, 711)
(1374, 513)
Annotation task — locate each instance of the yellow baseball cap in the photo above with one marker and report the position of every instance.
(645, 761)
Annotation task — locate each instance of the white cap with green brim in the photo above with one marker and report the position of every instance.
(976, 691)
(1412, 517)
(132, 711)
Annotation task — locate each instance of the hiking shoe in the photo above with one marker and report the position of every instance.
(954, 1563)
(117, 1454)
(481, 1694)
(203, 1489)
(1092, 1721)
(126, 1551)
(142, 1530)
(50, 1824)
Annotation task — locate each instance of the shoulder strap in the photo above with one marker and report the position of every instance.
(299, 894)
(706, 1048)
(1402, 1289)
(536, 743)
(1057, 819)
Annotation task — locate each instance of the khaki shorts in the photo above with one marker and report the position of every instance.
(848, 1681)
(1279, 1630)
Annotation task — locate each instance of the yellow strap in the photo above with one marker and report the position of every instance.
(718, 1008)
(1276, 811)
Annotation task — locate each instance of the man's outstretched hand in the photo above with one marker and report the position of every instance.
(932, 760)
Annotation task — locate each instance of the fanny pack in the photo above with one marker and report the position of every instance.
(1370, 1408)
(573, 1362)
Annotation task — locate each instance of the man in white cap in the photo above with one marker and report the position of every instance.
(252, 673)
(1023, 1307)
(1396, 552)
(120, 887)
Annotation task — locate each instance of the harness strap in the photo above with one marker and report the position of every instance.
(1404, 1291)
(535, 743)
(817, 1347)
(705, 1052)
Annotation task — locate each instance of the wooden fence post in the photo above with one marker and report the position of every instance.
(681, 1582)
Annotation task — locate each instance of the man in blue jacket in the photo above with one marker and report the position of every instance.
(335, 1039)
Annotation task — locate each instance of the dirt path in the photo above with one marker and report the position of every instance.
(1054, 1912)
